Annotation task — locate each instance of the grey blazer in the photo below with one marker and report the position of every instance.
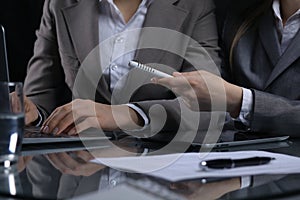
(273, 78)
(69, 32)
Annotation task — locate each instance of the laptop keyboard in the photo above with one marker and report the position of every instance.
(34, 132)
(43, 135)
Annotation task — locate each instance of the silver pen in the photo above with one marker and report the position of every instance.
(148, 69)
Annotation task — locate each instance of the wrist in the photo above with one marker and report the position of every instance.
(234, 97)
(135, 121)
(37, 119)
(126, 118)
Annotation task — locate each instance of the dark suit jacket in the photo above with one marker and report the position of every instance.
(273, 78)
(69, 32)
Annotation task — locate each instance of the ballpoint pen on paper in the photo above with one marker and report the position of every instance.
(232, 163)
(148, 69)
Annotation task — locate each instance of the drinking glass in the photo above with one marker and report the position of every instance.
(11, 122)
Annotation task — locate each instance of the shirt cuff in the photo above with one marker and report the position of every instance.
(246, 109)
(245, 181)
(141, 113)
(39, 120)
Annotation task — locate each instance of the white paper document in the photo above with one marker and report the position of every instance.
(185, 166)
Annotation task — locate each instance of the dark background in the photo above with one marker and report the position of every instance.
(21, 18)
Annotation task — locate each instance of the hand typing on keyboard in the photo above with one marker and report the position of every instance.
(34, 132)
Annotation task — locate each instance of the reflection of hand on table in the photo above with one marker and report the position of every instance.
(78, 163)
(124, 147)
(195, 190)
(75, 163)
(22, 162)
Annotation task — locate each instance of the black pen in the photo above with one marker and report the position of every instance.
(232, 163)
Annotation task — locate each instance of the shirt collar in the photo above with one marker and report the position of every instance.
(276, 9)
(147, 3)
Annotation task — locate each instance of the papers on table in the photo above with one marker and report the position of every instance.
(177, 167)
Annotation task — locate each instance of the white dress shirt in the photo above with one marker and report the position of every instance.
(118, 31)
(288, 31)
(113, 26)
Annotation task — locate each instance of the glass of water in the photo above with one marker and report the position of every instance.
(11, 122)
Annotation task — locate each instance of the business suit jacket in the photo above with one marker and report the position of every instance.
(273, 78)
(69, 32)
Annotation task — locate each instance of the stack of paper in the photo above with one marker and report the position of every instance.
(176, 167)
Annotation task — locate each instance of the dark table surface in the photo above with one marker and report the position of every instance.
(62, 171)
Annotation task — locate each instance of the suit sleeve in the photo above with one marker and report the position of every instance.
(275, 114)
(44, 83)
(169, 116)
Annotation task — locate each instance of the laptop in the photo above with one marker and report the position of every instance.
(32, 135)
(4, 98)
(243, 141)
(3, 57)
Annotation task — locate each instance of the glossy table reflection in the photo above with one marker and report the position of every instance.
(63, 172)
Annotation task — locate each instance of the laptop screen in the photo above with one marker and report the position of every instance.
(3, 57)
(4, 97)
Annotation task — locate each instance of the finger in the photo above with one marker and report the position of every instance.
(87, 169)
(84, 155)
(15, 103)
(191, 73)
(154, 80)
(62, 109)
(44, 127)
(84, 124)
(72, 131)
(59, 125)
(178, 81)
(58, 115)
(55, 161)
(27, 159)
(176, 74)
(64, 162)
(69, 128)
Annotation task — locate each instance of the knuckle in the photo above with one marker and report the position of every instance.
(64, 170)
(77, 101)
(77, 168)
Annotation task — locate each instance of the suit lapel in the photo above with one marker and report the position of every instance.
(291, 54)
(82, 19)
(161, 14)
(269, 38)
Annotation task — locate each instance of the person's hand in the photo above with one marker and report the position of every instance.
(22, 162)
(202, 90)
(80, 115)
(75, 163)
(125, 147)
(78, 163)
(31, 111)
